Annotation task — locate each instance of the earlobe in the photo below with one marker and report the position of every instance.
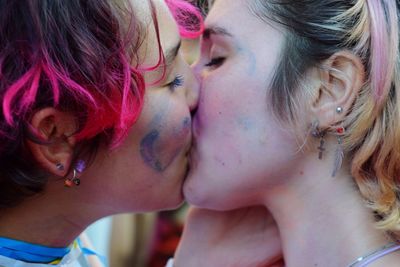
(341, 79)
(55, 129)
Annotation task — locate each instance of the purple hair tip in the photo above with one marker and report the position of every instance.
(80, 166)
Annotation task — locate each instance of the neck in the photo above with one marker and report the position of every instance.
(322, 219)
(50, 219)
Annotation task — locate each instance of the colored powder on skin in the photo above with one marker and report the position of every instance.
(251, 58)
(148, 147)
(147, 150)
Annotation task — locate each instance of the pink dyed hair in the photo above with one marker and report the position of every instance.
(188, 17)
(109, 99)
(70, 55)
(117, 108)
(384, 43)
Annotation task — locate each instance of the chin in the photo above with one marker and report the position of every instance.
(175, 198)
(165, 203)
(172, 202)
(198, 195)
(204, 194)
(175, 205)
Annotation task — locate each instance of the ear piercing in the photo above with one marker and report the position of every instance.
(339, 133)
(317, 133)
(60, 166)
(339, 153)
(339, 110)
(80, 166)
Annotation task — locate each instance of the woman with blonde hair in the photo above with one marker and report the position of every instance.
(300, 112)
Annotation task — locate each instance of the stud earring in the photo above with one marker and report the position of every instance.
(339, 110)
(60, 166)
(317, 133)
(80, 166)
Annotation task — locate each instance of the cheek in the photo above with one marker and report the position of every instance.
(166, 133)
(232, 110)
(235, 165)
(239, 146)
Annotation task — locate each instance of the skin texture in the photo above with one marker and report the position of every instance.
(243, 155)
(144, 174)
(235, 135)
(246, 237)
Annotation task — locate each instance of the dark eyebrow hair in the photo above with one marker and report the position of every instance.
(216, 30)
(171, 53)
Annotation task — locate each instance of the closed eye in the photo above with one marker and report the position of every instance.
(215, 62)
(176, 82)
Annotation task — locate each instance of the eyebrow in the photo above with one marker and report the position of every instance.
(216, 30)
(171, 53)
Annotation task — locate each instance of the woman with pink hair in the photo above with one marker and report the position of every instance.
(299, 113)
(95, 118)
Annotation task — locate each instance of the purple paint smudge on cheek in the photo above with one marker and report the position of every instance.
(182, 130)
(147, 151)
(186, 125)
(186, 122)
(151, 151)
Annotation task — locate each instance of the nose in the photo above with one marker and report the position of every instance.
(193, 90)
(196, 69)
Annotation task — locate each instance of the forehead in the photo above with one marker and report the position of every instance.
(239, 18)
(229, 8)
(168, 30)
(234, 16)
(239, 30)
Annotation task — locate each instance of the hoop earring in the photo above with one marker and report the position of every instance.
(80, 166)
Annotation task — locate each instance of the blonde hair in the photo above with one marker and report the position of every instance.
(370, 29)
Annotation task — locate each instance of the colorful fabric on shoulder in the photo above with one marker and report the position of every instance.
(21, 254)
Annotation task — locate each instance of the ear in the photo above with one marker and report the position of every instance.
(56, 129)
(341, 79)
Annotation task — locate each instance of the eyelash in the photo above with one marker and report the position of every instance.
(215, 62)
(176, 82)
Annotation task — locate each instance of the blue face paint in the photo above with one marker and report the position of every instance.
(152, 152)
(148, 153)
(252, 63)
(246, 123)
(251, 57)
(186, 122)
